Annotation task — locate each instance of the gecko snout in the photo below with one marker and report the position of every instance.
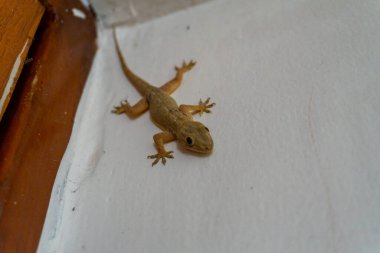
(209, 146)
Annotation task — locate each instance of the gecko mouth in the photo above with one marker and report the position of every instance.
(205, 150)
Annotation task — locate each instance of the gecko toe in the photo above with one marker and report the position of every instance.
(205, 106)
(161, 156)
(155, 161)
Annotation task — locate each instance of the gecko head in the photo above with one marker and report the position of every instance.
(196, 137)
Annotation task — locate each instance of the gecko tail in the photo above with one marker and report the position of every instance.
(140, 84)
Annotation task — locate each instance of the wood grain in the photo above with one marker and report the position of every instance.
(19, 20)
(37, 125)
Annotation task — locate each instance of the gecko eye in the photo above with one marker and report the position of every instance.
(189, 140)
(207, 129)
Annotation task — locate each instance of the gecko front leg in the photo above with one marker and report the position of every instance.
(200, 108)
(160, 139)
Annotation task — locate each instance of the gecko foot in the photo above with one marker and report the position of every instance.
(205, 106)
(121, 108)
(160, 156)
(185, 66)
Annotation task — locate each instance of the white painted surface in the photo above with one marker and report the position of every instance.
(13, 76)
(78, 13)
(296, 166)
(85, 3)
(116, 12)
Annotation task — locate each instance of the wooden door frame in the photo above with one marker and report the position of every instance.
(37, 124)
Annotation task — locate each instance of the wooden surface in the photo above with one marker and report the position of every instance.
(18, 22)
(37, 125)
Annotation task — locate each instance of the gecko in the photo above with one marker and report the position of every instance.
(175, 121)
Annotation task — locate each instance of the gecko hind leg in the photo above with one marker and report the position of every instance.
(132, 111)
(200, 108)
(173, 84)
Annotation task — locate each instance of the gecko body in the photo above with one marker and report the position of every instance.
(176, 121)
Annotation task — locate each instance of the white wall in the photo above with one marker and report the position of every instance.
(116, 12)
(296, 166)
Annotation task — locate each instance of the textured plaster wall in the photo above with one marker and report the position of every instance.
(296, 165)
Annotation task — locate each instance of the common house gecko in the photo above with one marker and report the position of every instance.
(176, 121)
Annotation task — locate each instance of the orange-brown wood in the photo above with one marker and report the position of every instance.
(37, 124)
(19, 20)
